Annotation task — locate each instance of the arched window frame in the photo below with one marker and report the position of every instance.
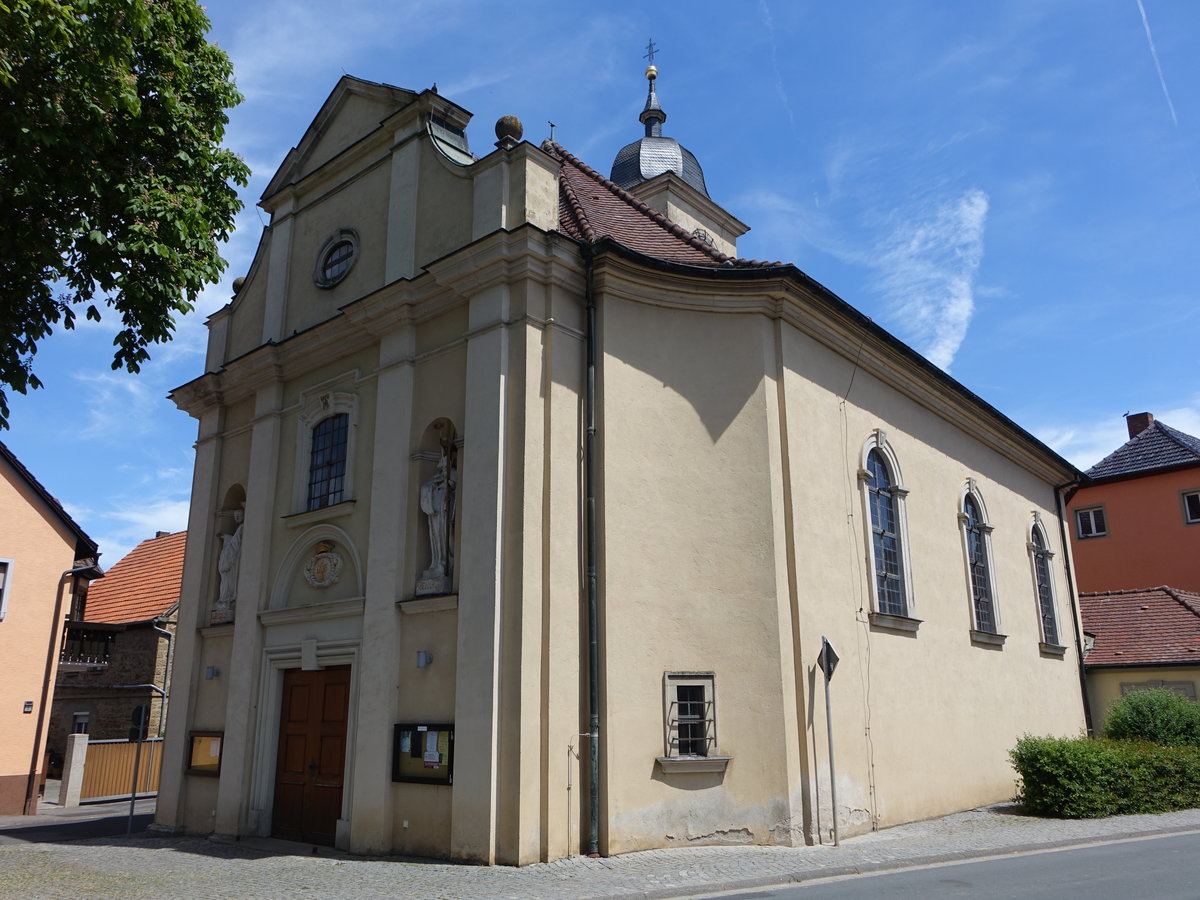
(981, 585)
(316, 410)
(883, 614)
(1045, 596)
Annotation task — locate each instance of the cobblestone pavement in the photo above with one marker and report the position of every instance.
(211, 869)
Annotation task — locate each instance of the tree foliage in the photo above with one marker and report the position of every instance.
(114, 186)
(1157, 715)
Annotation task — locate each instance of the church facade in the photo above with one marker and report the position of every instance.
(522, 506)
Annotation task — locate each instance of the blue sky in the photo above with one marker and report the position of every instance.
(1010, 187)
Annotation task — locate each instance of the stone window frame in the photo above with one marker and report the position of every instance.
(6, 575)
(710, 760)
(977, 589)
(877, 441)
(321, 276)
(315, 410)
(1047, 600)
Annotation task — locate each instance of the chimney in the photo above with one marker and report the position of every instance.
(1138, 422)
(162, 534)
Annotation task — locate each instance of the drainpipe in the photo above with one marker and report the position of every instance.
(1075, 618)
(56, 628)
(589, 466)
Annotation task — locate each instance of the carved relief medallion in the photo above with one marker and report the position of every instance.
(325, 567)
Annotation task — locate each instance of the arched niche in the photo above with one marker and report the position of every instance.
(227, 553)
(321, 565)
(436, 510)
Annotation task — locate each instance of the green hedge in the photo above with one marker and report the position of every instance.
(1084, 778)
(1155, 715)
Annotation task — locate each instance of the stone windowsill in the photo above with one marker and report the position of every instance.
(693, 764)
(901, 624)
(1057, 651)
(334, 609)
(428, 604)
(316, 516)
(988, 639)
(217, 630)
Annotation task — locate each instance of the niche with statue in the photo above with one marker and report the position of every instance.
(229, 555)
(437, 464)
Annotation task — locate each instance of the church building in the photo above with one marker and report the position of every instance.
(523, 507)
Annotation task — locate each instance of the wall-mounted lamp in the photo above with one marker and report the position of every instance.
(424, 658)
(211, 672)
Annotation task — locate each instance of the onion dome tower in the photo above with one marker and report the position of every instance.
(654, 154)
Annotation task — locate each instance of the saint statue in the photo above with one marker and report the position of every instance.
(228, 564)
(437, 502)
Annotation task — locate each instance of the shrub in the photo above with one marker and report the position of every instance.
(1157, 715)
(1082, 778)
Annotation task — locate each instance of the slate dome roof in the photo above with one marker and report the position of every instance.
(654, 154)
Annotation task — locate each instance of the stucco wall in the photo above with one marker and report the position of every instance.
(1149, 542)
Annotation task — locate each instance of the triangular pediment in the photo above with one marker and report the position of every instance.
(353, 109)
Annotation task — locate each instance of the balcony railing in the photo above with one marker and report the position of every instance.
(87, 644)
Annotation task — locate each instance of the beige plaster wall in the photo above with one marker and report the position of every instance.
(1104, 685)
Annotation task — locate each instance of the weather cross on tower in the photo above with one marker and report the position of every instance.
(650, 51)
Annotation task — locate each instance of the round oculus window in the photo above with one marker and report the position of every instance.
(336, 258)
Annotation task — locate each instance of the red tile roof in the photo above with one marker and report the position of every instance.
(1154, 626)
(591, 207)
(143, 585)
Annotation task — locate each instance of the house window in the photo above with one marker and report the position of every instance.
(977, 539)
(5, 581)
(691, 721)
(1191, 507)
(1045, 589)
(1090, 522)
(80, 722)
(327, 465)
(1182, 688)
(883, 498)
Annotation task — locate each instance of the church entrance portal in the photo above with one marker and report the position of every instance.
(312, 755)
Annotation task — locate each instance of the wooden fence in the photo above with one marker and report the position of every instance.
(108, 771)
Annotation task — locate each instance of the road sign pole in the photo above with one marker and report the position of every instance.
(828, 661)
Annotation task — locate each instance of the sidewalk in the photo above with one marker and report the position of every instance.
(151, 867)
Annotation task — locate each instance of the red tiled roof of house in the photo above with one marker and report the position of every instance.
(1154, 626)
(1157, 447)
(591, 207)
(143, 585)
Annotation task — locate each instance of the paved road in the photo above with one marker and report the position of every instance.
(151, 867)
(1165, 868)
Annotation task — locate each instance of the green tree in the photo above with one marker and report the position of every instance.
(114, 186)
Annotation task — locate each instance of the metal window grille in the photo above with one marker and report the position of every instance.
(691, 718)
(885, 528)
(327, 467)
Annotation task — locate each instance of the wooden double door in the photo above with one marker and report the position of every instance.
(311, 764)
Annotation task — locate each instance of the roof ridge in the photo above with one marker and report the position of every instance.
(1174, 593)
(1175, 435)
(672, 228)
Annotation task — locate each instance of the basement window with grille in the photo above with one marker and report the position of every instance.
(690, 723)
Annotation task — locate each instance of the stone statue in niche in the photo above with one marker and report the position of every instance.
(437, 503)
(228, 565)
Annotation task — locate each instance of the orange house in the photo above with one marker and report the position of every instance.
(1135, 520)
(46, 561)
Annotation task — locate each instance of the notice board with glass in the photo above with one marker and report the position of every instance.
(423, 753)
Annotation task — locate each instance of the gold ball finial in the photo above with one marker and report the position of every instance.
(651, 72)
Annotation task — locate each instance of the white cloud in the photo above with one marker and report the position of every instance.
(927, 267)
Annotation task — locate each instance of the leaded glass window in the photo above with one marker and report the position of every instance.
(327, 466)
(885, 536)
(1041, 574)
(980, 567)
